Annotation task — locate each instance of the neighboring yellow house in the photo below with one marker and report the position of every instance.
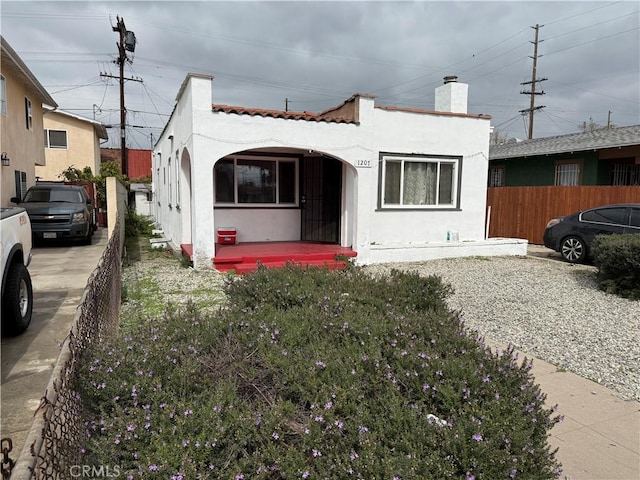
(21, 118)
(70, 141)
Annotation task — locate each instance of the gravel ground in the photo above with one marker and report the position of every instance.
(547, 309)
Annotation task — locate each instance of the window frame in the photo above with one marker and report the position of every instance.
(47, 139)
(28, 113)
(456, 179)
(3, 95)
(277, 160)
(503, 179)
(178, 164)
(20, 181)
(170, 182)
(560, 163)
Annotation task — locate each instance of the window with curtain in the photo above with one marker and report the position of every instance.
(419, 182)
(568, 173)
(255, 181)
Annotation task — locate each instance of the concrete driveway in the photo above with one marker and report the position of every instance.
(59, 274)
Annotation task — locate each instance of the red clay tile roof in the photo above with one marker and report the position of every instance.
(433, 112)
(308, 116)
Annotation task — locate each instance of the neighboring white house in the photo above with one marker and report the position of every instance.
(140, 199)
(394, 184)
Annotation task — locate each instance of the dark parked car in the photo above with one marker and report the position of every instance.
(59, 212)
(572, 235)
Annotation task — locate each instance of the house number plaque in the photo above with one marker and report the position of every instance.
(363, 163)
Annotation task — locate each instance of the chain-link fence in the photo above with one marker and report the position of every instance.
(55, 437)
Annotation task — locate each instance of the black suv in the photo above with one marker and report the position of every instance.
(572, 235)
(59, 212)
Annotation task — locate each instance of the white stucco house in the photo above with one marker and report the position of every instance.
(393, 184)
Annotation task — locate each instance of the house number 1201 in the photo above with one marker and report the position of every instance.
(363, 163)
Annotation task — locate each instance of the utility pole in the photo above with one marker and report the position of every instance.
(532, 108)
(286, 104)
(609, 120)
(127, 43)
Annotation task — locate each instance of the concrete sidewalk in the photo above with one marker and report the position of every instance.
(600, 436)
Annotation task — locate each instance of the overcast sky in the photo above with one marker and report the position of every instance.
(317, 54)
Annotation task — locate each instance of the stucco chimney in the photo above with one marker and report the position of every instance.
(452, 96)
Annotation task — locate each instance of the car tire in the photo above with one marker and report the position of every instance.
(573, 249)
(17, 302)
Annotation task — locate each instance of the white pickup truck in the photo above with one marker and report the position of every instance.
(17, 292)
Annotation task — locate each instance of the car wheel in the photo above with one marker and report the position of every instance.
(17, 302)
(573, 249)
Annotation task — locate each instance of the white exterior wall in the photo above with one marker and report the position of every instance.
(143, 206)
(377, 235)
(180, 127)
(402, 132)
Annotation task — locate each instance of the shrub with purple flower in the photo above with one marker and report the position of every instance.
(370, 361)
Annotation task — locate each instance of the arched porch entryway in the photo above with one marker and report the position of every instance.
(290, 204)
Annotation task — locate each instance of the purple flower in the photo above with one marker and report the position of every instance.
(153, 467)
(469, 477)
(316, 453)
(477, 437)
(321, 364)
(305, 474)
(328, 405)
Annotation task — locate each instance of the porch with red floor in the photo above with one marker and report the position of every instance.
(245, 257)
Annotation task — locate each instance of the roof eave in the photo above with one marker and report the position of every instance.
(11, 55)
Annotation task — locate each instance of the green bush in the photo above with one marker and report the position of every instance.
(618, 260)
(136, 224)
(309, 373)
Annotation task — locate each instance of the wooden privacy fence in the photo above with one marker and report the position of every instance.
(523, 212)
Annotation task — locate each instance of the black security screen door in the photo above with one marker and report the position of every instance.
(321, 191)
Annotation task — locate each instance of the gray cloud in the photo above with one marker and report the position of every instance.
(316, 54)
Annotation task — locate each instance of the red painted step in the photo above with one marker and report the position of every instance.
(243, 268)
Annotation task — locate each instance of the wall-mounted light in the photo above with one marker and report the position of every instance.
(5, 159)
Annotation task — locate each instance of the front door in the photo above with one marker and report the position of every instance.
(320, 195)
